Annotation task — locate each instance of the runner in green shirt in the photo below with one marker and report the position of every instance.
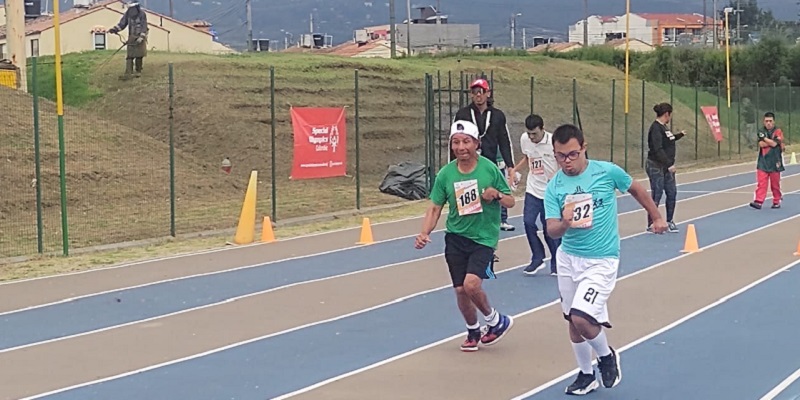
(474, 188)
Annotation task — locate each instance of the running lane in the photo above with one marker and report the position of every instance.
(266, 368)
(124, 306)
(739, 349)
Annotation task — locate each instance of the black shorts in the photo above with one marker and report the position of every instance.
(464, 256)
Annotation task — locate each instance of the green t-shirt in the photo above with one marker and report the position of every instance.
(480, 221)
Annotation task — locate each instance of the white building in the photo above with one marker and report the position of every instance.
(652, 29)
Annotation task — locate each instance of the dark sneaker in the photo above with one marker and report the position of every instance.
(532, 268)
(495, 333)
(672, 227)
(610, 371)
(584, 384)
(756, 205)
(471, 343)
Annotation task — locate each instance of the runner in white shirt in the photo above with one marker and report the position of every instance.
(538, 156)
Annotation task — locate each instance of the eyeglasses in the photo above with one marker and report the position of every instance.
(572, 155)
(478, 90)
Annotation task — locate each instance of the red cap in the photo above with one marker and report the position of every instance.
(481, 83)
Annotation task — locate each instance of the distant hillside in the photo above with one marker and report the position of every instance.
(340, 17)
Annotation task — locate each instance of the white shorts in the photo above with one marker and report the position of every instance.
(585, 285)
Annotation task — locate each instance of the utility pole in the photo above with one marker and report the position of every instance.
(705, 22)
(715, 24)
(311, 23)
(393, 30)
(408, 28)
(524, 39)
(15, 38)
(739, 21)
(171, 10)
(249, 25)
(513, 28)
(585, 23)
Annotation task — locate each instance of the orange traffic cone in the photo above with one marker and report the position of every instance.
(797, 253)
(366, 232)
(690, 245)
(267, 234)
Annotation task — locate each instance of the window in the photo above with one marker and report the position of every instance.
(99, 41)
(2, 52)
(34, 47)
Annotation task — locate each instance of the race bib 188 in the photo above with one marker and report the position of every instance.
(468, 199)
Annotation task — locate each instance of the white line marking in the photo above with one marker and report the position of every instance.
(187, 358)
(553, 303)
(202, 252)
(514, 235)
(668, 327)
(782, 386)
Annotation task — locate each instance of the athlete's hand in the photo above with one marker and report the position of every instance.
(568, 213)
(421, 240)
(511, 177)
(671, 169)
(489, 194)
(659, 226)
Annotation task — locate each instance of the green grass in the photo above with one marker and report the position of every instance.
(118, 133)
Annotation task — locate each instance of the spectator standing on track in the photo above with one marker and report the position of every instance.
(492, 129)
(770, 163)
(581, 208)
(660, 165)
(474, 189)
(537, 149)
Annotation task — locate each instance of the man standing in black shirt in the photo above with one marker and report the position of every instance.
(493, 131)
(661, 162)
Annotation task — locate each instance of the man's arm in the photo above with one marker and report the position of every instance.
(641, 195)
(522, 162)
(504, 140)
(432, 215)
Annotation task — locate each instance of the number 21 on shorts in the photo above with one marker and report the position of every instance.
(583, 211)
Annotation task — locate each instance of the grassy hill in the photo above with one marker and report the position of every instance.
(117, 133)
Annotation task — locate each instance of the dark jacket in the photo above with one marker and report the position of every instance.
(495, 135)
(661, 142)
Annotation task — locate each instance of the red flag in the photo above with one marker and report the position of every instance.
(712, 117)
(320, 145)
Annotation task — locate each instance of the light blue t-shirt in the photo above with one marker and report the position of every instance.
(600, 180)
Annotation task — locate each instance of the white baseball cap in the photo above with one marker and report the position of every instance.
(464, 127)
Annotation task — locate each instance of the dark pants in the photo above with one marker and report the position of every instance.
(662, 181)
(534, 209)
(503, 210)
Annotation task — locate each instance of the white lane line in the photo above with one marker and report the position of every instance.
(670, 326)
(187, 358)
(514, 235)
(782, 386)
(454, 337)
(211, 251)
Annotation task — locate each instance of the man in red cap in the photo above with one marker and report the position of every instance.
(493, 133)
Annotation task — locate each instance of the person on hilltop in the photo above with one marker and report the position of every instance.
(136, 21)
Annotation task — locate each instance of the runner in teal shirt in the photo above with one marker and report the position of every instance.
(600, 180)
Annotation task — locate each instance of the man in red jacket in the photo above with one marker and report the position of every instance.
(770, 163)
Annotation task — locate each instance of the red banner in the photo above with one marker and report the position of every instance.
(320, 145)
(712, 117)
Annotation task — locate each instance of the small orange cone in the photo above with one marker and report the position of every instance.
(690, 245)
(267, 235)
(797, 253)
(366, 232)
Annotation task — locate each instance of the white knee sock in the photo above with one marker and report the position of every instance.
(583, 354)
(600, 344)
(493, 318)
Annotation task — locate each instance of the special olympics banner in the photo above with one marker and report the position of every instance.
(320, 145)
(712, 117)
